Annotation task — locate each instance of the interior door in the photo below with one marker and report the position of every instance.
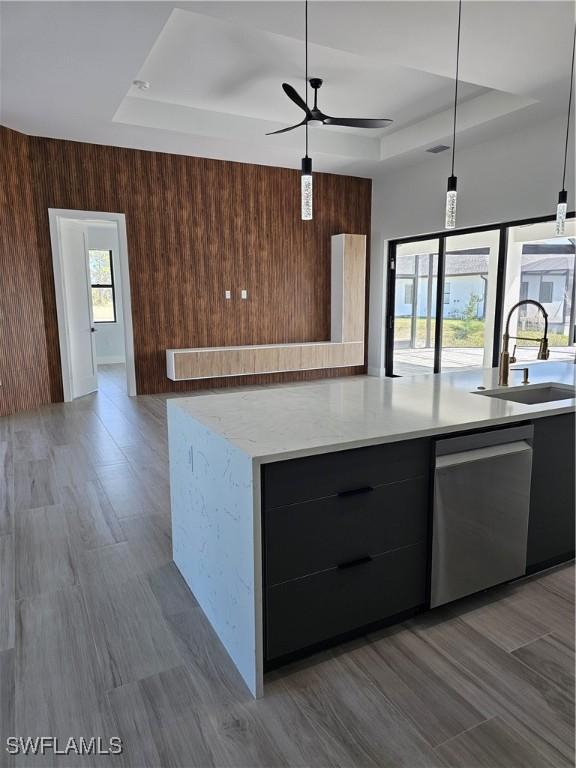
(79, 320)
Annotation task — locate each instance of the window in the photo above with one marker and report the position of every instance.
(102, 286)
(485, 271)
(408, 293)
(546, 292)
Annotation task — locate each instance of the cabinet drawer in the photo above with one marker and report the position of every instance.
(313, 536)
(318, 608)
(296, 480)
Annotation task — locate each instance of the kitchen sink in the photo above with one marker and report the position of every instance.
(532, 394)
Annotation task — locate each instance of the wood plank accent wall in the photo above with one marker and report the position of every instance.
(197, 227)
(345, 348)
(24, 369)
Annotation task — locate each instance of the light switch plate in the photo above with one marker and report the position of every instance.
(228, 294)
(244, 293)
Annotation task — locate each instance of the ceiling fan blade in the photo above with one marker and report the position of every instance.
(293, 94)
(358, 122)
(290, 128)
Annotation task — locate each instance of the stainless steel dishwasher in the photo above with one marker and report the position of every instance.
(481, 507)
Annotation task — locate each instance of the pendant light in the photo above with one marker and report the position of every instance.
(306, 174)
(451, 192)
(563, 196)
(306, 187)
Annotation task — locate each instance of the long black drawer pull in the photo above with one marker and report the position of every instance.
(354, 491)
(358, 561)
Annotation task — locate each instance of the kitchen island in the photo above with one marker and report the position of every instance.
(259, 476)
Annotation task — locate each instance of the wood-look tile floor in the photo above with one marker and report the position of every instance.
(99, 635)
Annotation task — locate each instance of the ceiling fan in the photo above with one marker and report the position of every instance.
(315, 116)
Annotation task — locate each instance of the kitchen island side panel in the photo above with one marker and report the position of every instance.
(215, 541)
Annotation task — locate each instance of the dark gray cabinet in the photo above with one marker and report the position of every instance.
(346, 535)
(345, 542)
(315, 477)
(305, 612)
(552, 496)
(323, 533)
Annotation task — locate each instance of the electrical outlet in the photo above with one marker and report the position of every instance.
(227, 294)
(244, 293)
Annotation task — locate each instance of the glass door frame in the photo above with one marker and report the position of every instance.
(441, 236)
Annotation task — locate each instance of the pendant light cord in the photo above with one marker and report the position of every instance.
(456, 83)
(569, 110)
(306, 48)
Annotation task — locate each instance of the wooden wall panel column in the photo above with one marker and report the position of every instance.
(197, 227)
(23, 356)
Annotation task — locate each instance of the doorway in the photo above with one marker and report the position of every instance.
(91, 276)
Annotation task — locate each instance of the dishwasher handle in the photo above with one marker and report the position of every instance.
(481, 454)
(484, 439)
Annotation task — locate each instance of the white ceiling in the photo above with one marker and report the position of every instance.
(216, 70)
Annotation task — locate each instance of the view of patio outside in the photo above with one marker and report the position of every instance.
(542, 270)
(409, 362)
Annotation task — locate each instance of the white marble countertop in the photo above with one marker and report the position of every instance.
(287, 421)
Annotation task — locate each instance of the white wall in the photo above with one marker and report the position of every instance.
(109, 336)
(517, 176)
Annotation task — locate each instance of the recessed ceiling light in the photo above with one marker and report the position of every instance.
(142, 85)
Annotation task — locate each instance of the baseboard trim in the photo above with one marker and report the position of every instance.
(373, 371)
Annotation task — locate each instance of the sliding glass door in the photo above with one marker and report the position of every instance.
(449, 296)
(540, 266)
(469, 300)
(414, 318)
(443, 292)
